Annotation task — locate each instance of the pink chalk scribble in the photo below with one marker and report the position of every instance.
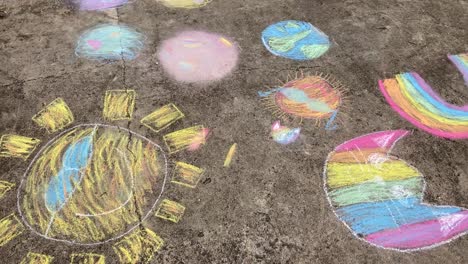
(197, 56)
(199, 140)
(95, 44)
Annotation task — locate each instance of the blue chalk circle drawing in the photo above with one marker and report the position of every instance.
(110, 42)
(297, 40)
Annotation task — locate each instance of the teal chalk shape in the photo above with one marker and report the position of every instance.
(110, 42)
(297, 40)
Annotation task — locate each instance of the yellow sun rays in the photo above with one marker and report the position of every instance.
(55, 116)
(184, 139)
(170, 210)
(17, 146)
(119, 104)
(35, 258)
(187, 175)
(162, 118)
(5, 187)
(139, 244)
(87, 258)
(10, 227)
(138, 247)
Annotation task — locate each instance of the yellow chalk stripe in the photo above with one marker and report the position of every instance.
(226, 42)
(87, 258)
(119, 104)
(138, 247)
(5, 187)
(187, 175)
(10, 227)
(170, 210)
(35, 258)
(184, 3)
(162, 118)
(345, 174)
(230, 155)
(17, 146)
(182, 139)
(55, 116)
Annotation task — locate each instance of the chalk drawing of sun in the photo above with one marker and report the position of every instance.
(97, 183)
(306, 96)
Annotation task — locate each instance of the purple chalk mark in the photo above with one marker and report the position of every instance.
(422, 234)
(383, 139)
(99, 4)
(276, 125)
(196, 56)
(433, 94)
(461, 64)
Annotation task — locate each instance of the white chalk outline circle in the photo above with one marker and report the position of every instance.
(18, 195)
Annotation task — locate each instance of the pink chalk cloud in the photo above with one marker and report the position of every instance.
(196, 56)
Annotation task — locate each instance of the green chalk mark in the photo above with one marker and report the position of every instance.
(286, 44)
(314, 51)
(292, 25)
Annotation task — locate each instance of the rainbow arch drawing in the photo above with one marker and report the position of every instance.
(379, 197)
(414, 99)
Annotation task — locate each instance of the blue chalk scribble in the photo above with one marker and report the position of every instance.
(268, 93)
(330, 125)
(297, 40)
(62, 185)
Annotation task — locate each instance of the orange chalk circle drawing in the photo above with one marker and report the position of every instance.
(315, 97)
(97, 183)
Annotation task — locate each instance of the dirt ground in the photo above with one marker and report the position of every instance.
(269, 206)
